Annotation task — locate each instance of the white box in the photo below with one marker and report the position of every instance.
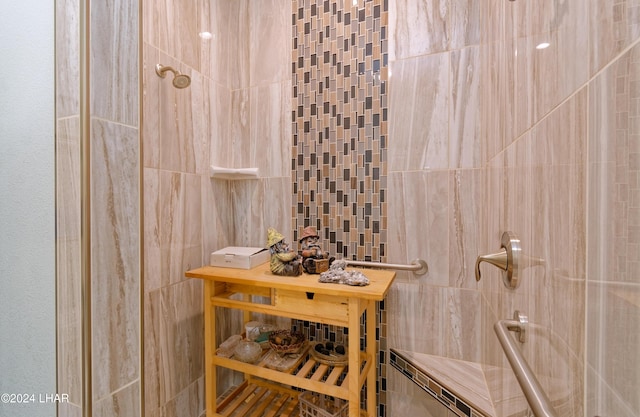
(239, 257)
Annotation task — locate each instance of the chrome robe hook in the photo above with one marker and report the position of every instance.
(506, 259)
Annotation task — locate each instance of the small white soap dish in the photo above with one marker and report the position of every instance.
(234, 173)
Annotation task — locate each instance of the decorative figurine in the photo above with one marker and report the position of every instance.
(283, 262)
(314, 260)
(339, 275)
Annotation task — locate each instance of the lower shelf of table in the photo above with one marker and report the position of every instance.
(309, 375)
(258, 398)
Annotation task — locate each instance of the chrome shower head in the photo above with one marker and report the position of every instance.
(179, 80)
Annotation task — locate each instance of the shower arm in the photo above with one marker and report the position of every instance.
(161, 70)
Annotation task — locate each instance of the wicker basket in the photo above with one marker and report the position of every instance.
(318, 405)
(296, 337)
(334, 359)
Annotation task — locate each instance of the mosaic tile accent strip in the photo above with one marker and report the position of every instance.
(339, 149)
(458, 406)
(339, 115)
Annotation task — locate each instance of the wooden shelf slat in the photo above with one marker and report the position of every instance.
(265, 399)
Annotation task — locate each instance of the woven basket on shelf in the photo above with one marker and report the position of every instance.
(333, 359)
(286, 341)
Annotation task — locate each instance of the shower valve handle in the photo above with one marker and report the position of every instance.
(506, 259)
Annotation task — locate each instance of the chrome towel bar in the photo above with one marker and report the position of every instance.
(533, 392)
(418, 266)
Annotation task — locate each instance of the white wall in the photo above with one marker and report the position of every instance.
(27, 208)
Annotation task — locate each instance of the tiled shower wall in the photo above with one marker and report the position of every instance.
(114, 210)
(487, 134)
(480, 140)
(468, 155)
(235, 114)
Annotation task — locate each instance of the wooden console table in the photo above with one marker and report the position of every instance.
(268, 392)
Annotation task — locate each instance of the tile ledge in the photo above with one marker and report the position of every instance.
(465, 380)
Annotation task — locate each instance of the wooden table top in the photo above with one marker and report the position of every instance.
(379, 281)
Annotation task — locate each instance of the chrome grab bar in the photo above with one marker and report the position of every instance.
(418, 266)
(533, 392)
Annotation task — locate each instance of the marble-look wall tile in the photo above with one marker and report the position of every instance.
(419, 113)
(182, 341)
(173, 27)
(222, 143)
(602, 398)
(69, 320)
(180, 225)
(613, 156)
(247, 202)
(68, 255)
(270, 41)
(67, 58)
(269, 127)
(238, 149)
(418, 28)
(416, 318)
(217, 209)
(215, 52)
(177, 135)
(258, 205)
(204, 115)
(238, 38)
(465, 147)
(69, 410)
(115, 261)
(174, 345)
(551, 74)
(613, 26)
(542, 211)
(114, 61)
(190, 401)
(423, 28)
(465, 24)
(123, 403)
(409, 400)
(68, 179)
(555, 270)
(115, 212)
(613, 307)
(150, 100)
(467, 231)
(418, 221)
(613, 379)
(220, 119)
(154, 377)
(276, 207)
(176, 141)
(463, 324)
(558, 369)
(498, 81)
(152, 239)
